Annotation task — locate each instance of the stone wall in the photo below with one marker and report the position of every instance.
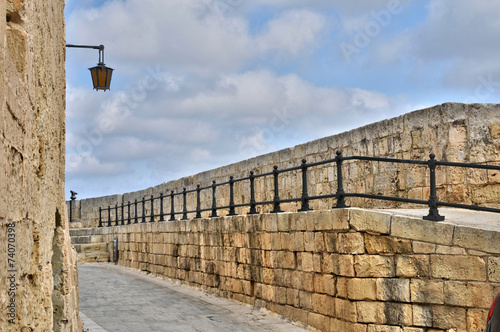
(454, 132)
(38, 263)
(336, 270)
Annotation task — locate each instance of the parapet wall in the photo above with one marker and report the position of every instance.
(452, 131)
(336, 270)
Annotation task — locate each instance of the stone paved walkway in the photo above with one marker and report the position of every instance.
(114, 298)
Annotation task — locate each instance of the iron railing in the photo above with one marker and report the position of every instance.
(339, 195)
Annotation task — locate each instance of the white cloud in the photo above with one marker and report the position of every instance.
(460, 34)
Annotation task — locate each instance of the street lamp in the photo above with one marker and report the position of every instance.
(101, 75)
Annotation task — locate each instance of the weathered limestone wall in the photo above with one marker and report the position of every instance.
(38, 271)
(454, 132)
(337, 270)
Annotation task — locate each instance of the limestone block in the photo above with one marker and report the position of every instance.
(341, 287)
(422, 315)
(458, 267)
(305, 299)
(323, 304)
(292, 297)
(350, 243)
(331, 220)
(283, 222)
(427, 291)
(298, 221)
(270, 222)
(341, 265)
(476, 319)
(370, 312)
(393, 290)
(319, 242)
(346, 310)
(370, 221)
(468, 294)
(383, 328)
(296, 314)
(423, 247)
(331, 242)
(338, 325)
(479, 239)
(374, 266)
(412, 266)
(288, 241)
(422, 230)
(305, 261)
(376, 244)
(398, 313)
(324, 284)
(494, 269)
(318, 321)
(446, 317)
(362, 289)
(309, 238)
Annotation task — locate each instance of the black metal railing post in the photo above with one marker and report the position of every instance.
(152, 215)
(128, 213)
(109, 216)
(116, 214)
(305, 196)
(198, 202)
(172, 207)
(162, 218)
(253, 209)
(340, 185)
(100, 217)
(276, 200)
(214, 201)
(232, 212)
(135, 215)
(433, 210)
(123, 215)
(184, 205)
(143, 210)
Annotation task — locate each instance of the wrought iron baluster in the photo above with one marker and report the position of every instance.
(109, 216)
(433, 210)
(100, 217)
(232, 212)
(135, 215)
(253, 210)
(184, 205)
(276, 199)
(305, 196)
(198, 202)
(143, 210)
(122, 217)
(152, 215)
(162, 218)
(128, 213)
(340, 186)
(172, 207)
(214, 201)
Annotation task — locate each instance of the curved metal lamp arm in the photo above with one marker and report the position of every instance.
(99, 47)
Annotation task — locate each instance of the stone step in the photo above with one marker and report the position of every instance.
(86, 239)
(84, 231)
(99, 247)
(75, 224)
(90, 257)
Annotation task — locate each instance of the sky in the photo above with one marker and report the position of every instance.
(200, 84)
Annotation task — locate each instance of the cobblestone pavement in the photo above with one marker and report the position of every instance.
(114, 298)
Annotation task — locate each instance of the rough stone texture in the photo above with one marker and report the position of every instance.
(32, 145)
(453, 132)
(408, 286)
